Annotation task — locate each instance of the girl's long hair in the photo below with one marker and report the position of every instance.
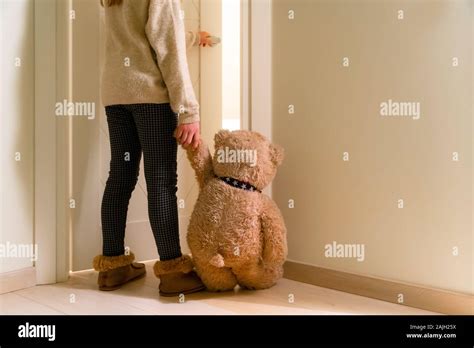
(109, 3)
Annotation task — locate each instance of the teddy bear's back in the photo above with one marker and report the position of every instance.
(226, 220)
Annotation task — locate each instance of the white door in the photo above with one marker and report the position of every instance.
(89, 143)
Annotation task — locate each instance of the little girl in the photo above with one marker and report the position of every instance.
(151, 107)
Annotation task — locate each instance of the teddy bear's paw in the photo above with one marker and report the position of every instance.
(217, 261)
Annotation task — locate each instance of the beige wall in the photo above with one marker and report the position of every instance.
(17, 129)
(337, 110)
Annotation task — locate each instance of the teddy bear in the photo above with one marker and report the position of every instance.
(236, 233)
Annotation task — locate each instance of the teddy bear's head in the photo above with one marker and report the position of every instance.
(246, 156)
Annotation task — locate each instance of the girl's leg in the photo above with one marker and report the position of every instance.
(123, 175)
(156, 124)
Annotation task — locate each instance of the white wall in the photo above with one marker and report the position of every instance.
(337, 111)
(16, 127)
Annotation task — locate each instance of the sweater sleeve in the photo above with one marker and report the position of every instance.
(192, 39)
(166, 34)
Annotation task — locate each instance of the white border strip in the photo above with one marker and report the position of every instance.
(261, 66)
(261, 70)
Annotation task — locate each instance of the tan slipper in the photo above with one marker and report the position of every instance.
(177, 277)
(115, 271)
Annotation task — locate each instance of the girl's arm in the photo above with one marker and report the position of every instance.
(166, 34)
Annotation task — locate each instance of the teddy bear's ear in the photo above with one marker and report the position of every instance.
(277, 154)
(220, 136)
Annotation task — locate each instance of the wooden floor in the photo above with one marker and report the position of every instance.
(80, 296)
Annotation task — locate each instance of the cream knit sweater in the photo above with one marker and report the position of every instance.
(145, 58)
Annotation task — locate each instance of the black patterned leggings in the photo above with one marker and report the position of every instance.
(134, 129)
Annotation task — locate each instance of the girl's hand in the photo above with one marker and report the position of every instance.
(205, 39)
(188, 134)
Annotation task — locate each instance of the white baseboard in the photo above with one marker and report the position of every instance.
(16, 280)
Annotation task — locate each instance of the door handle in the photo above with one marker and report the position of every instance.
(215, 40)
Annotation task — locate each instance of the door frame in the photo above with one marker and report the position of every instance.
(52, 141)
(260, 67)
(45, 141)
(245, 64)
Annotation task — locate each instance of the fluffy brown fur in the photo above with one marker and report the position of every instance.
(237, 236)
(182, 264)
(103, 263)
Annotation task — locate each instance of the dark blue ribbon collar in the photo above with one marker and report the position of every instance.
(238, 184)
